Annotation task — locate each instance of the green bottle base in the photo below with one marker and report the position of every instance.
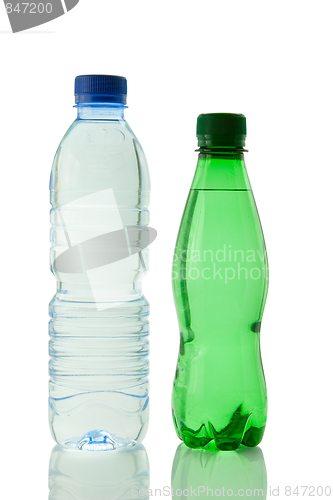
(230, 438)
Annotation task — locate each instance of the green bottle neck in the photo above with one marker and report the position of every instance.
(225, 171)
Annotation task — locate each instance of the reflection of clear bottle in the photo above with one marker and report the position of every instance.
(99, 475)
(220, 284)
(236, 473)
(99, 317)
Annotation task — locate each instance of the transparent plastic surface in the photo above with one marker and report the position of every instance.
(99, 475)
(220, 282)
(99, 317)
(207, 473)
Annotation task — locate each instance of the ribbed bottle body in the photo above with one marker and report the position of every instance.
(99, 318)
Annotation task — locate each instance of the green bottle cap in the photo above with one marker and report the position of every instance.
(221, 130)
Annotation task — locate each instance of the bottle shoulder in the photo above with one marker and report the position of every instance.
(100, 136)
(102, 154)
(224, 174)
(214, 219)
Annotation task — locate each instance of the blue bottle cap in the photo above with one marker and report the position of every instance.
(101, 88)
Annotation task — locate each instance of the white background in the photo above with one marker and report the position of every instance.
(271, 61)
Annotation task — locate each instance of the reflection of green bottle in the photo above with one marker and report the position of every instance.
(220, 281)
(207, 474)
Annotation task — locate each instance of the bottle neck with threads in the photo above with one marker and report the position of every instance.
(100, 97)
(100, 111)
(221, 141)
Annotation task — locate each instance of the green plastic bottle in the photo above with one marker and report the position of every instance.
(220, 282)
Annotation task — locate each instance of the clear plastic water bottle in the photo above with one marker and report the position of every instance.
(99, 317)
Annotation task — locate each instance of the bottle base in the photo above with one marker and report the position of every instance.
(238, 432)
(251, 438)
(99, 440)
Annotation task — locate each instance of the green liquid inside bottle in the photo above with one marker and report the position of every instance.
(220, 281)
